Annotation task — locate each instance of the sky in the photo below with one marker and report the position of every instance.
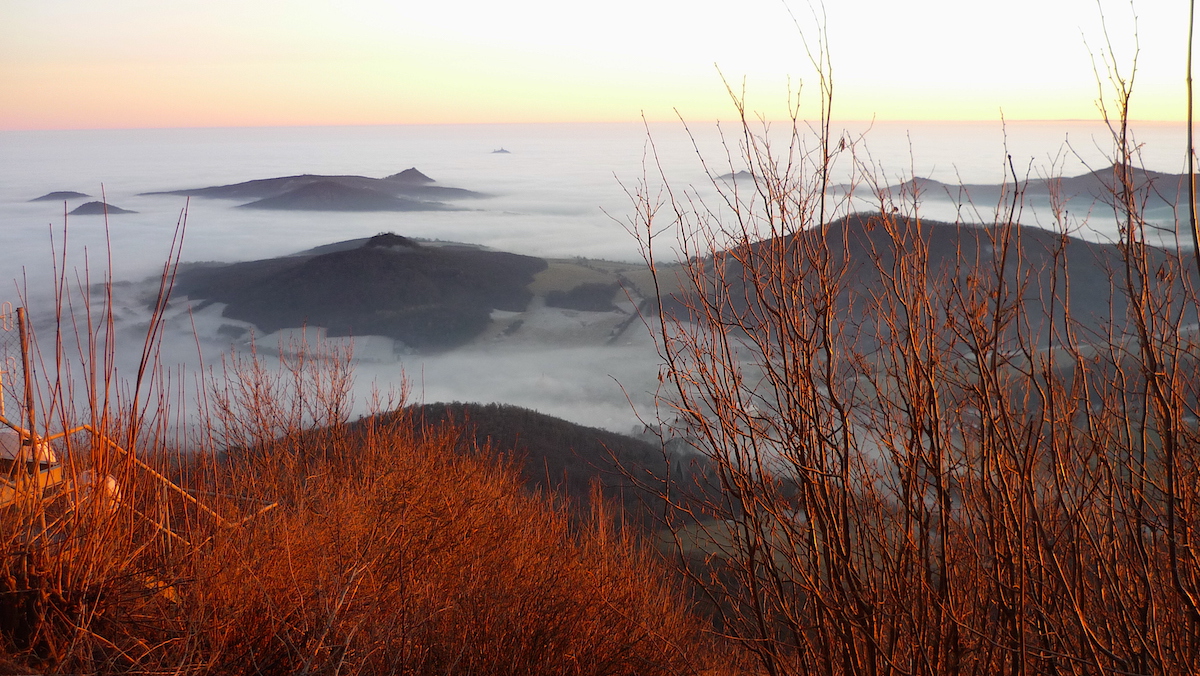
(71, 64)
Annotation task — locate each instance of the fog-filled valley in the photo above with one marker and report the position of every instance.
(557, 192)
(673, 405)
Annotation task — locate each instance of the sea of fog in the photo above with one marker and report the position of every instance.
(560, 191)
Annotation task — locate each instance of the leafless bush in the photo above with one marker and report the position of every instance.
(931, 461)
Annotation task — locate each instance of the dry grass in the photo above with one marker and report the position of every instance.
(382, 553)
(392, 555)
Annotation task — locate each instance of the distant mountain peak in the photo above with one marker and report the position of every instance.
(59, 196)
(1133, 171)
(98, 208)
(410, 175)
(742, 175)
(409, 190)
(329, 194)
(390, 240)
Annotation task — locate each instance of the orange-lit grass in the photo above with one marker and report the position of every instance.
(397, 555)
(408, 556)
(385, 552)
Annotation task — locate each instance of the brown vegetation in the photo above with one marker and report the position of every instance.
(310, 546)
(945, 470)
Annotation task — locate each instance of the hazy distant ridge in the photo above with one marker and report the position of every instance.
(408, 190)
(1152, 189)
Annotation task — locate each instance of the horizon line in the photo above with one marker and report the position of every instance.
(580, 122)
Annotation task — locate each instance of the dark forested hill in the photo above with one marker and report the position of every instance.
(1051, 275)
(561, 456)
(428, 297)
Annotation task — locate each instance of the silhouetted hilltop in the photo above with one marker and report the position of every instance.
(409, 189)
(390, 240)
(97, 209)
(410, 175)
(334, 196)
(742, 175)
(60, 196)
(428, 297)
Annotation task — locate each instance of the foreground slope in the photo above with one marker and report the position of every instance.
(382, 552)
(554, 455)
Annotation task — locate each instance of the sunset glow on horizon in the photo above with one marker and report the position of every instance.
(136, 63)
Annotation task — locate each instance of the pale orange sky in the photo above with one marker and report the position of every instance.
(148, 63)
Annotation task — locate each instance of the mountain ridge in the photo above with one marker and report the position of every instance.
(408, 190)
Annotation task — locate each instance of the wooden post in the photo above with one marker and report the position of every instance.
(23, 328)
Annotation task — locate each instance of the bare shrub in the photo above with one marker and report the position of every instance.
(941, 448)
